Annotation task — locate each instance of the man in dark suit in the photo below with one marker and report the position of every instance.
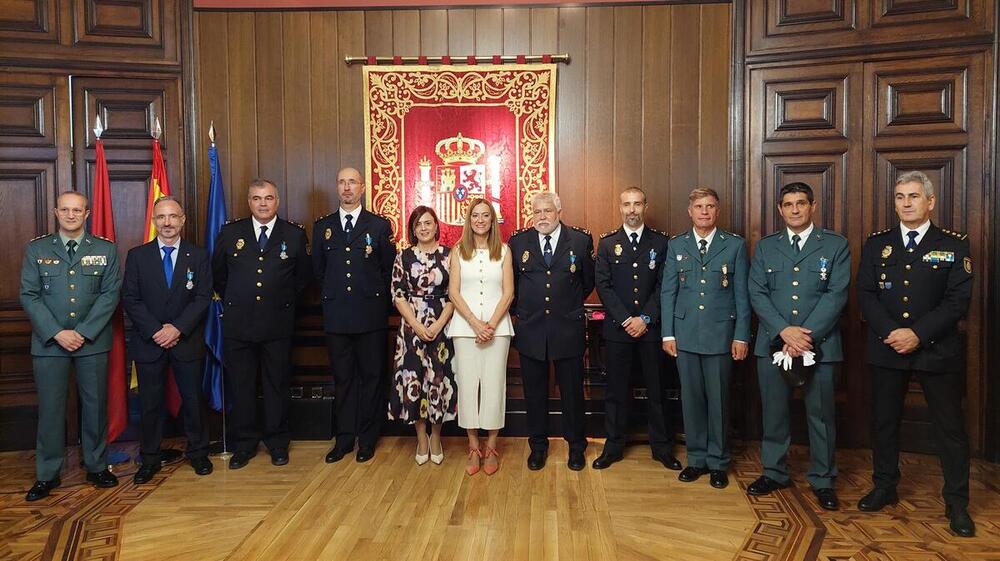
(260, 266)
(168, 285)
(553, 275)
(629, 261)
(914, 286)
(69, 289)
(353, 262)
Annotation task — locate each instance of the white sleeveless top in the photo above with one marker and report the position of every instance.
(481, 287)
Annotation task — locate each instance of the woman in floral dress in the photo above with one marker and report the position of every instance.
(424, 384)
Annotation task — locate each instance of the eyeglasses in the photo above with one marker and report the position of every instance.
(71, 211)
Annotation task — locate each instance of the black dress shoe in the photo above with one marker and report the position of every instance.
(364, 454)
(669, 461)
(765, 485)
(145, 473)
(960, 522)
(536, 459)
(41, 489)
(202, 466)
(689, 474)
(279, 457)
(606, 458)
(240, 460)
(877, 499)
(718, 479)
(103, 479)
(827, 498)
(337, 454)
(577, 461)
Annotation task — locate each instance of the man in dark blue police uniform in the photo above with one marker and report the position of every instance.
(629, 261)
(353, 261)
(260, 266)
(914, 285)
(553, 275)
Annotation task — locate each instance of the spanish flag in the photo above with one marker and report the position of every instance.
(158, 187)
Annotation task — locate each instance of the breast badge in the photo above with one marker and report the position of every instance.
(886, 251)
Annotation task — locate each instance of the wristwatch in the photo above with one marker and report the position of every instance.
(645, 319)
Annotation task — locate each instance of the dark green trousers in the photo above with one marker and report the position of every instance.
(818, 394)
(52, 382)
(705, 403)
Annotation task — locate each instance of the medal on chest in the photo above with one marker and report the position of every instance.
(572, 262)
(652, 260)
(725, 276)
(368, 244)
(824, 265)
(284, 250)
(190, 279)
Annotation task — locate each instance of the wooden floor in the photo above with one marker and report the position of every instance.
(392, 509)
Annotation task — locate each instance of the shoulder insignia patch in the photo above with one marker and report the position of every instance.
(772, 234)
(728, 233)
(880, 232)
(102, 238)
(611, 233)
(324, 217)
(521, 231)
(584, 230)
(956, 235)
(39, 237)
(297, 224)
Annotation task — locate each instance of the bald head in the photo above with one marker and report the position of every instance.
(350, 188)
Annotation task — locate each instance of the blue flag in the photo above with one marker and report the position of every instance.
(214, 220)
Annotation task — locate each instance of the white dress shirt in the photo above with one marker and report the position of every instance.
(920, 230)
(354, 214)
(555, 238)
(803, 235)
(173, 254)
(270, 227)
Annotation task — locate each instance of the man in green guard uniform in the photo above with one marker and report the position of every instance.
(798, 286)
(69, 289)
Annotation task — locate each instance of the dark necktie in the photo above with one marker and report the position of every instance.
(547, 251)
(168, 264)
(703, 247)
(71, 248)
(912, 244)
(795, 244)
(348, 223)
(262, 238)
(635, 241)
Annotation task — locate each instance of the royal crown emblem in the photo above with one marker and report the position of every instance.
(463, 175)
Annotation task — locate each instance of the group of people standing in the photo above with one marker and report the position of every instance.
(689, 296)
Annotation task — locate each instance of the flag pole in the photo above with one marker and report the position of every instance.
(225, 454)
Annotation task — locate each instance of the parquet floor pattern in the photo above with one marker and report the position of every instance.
(392, 509)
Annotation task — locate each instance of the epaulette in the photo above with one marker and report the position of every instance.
(834, 233)
(956, 235)
(772, 234)
(326, 216)
(728, 233)
(880, 232)
(584, 230)
(611, 233)
(675, 236)
(230, 221)
(522, 230)
(296, 224)
(40, 237)
(102, 238)
(654, 230)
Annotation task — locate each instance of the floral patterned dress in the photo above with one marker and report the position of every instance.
(423, 383)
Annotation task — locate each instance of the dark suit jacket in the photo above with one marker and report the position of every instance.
(150, 304)
(354, 272)
(259, 289)
(628, 281)
(549, 299)
(927, 290)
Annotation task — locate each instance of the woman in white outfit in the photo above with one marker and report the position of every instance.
(482, 288)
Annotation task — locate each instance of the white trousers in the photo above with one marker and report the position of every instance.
(481, 376)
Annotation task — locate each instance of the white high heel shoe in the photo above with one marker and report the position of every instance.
(437, 458)
(421, 458)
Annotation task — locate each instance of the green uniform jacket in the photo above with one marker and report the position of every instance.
(808, 290)
(61, 293)
(703, 300)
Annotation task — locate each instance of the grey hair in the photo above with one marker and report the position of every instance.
(547, 196)
(917, 177)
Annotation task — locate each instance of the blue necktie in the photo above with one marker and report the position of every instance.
(348, 223)
(912, 244)
(262, 239)
(635, 241)
(168, 264)
(547, 251)
(795, 244)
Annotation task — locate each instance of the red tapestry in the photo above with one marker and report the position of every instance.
(442, 136)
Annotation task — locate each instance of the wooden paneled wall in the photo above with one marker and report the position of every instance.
(643, 101)
(847, 96)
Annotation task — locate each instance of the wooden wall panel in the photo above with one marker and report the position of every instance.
(293, 108)
(91, 33)
(788, 29)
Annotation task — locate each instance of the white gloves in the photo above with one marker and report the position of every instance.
(784, 360)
